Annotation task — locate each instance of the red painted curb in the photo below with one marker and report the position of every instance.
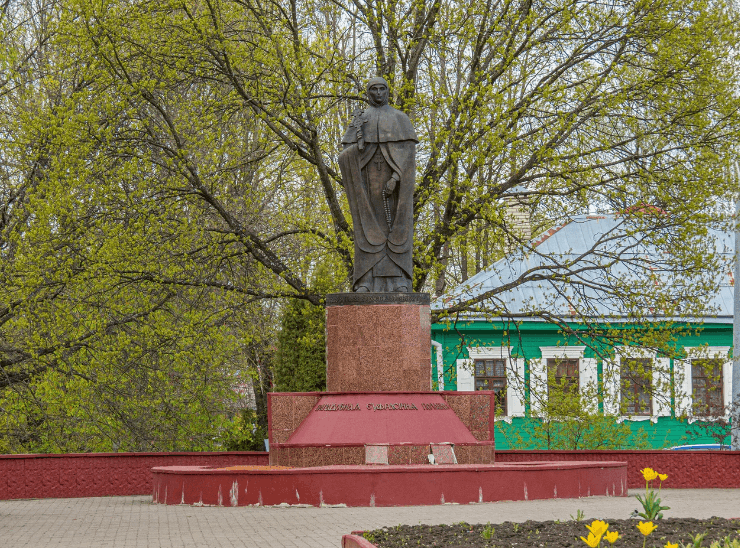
(355, 541)
(387, 485)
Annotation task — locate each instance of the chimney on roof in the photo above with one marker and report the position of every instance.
(518, 218)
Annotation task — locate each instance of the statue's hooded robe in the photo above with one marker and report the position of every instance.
(387, 131)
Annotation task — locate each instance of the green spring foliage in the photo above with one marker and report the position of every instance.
(301, 357)
(168, 180)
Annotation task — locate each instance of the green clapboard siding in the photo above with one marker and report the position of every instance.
(526, 339)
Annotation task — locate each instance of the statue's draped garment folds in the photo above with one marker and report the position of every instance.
(380, 145)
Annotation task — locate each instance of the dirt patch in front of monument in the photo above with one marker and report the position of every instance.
(551, 534)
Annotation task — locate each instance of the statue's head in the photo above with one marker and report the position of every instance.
(377, 91)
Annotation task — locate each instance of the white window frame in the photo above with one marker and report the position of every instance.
(612, 383)
(514, 375)
(437, 349)
(587, 372)
(682, 368)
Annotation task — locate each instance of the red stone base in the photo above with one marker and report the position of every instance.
(387, 485)
(306, 456)
(308, 429)
(378, 342)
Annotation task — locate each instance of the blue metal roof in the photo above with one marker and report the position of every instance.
(569, 270)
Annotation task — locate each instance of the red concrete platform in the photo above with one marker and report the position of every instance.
(387, 485)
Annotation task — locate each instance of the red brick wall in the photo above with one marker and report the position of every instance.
(117, 474)
(100, 474)
(685, 469)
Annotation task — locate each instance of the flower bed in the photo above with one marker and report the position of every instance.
(551, 534)
(654, 531)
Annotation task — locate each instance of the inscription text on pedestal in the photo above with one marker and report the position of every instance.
(338, 407)
(392, 406)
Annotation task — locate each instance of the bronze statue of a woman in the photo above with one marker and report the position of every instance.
(378, 167)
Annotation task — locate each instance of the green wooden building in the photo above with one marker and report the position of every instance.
(625, 390)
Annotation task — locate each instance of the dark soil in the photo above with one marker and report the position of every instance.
(540, 534)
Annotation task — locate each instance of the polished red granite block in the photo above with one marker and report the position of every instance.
(480, 410)
(475, 411)
(475, 454)
(386, 363)
(281, 436)
(398, 454)
(460, 404)
(332, 352)
(443, 454)
(412, 319)
(280, 417)
(302, 405)
(332, 316)
(279, 456)
(353, 455)
(286, 413)
(481, 435)
(368, 322)
(380, 454)
(408, 454)
(376, 454)
(313, 456)
(418, 454)
(378, 347)
(347, 360)
(297, 456)
(394, 376)
(333, 455)
(388, 334)
(369, 371)
(422, 364)
(462, 453)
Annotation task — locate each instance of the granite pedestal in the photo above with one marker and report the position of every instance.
(379, 407)
(378, 342)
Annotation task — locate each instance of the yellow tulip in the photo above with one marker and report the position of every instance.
(646, 528)
(671, 545)
(598, 527)
(649, 474)
(612, 537)
(592, 540)
(663, 477)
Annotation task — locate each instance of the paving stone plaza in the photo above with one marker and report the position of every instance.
(126, 522)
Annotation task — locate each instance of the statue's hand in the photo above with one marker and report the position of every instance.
(390, 186)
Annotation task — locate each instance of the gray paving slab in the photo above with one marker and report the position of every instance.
(127, 522)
